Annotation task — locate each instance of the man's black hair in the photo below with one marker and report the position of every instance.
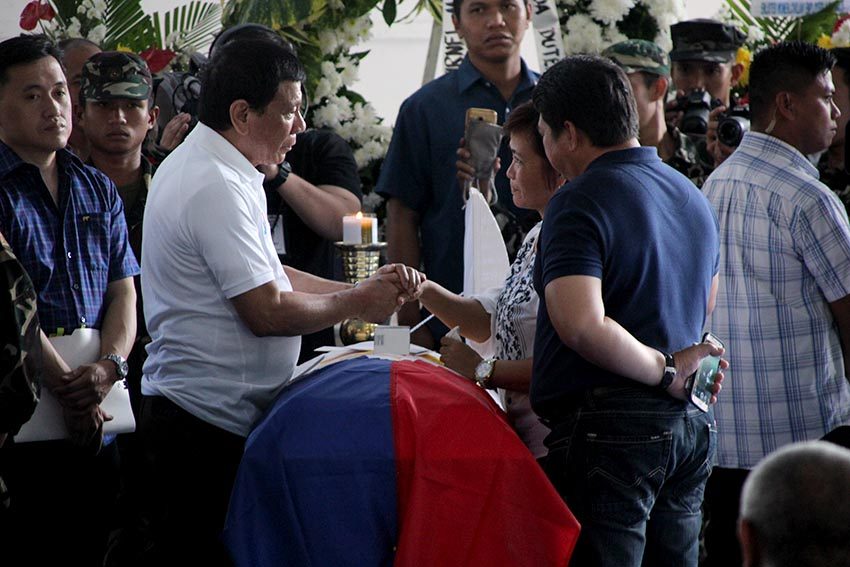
(70, 43)
(248, 31)
(594, 94)
(787, 66)
(250, 70)
(24, 49)
(523, 120)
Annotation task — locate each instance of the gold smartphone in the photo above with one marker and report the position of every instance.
(485, 114)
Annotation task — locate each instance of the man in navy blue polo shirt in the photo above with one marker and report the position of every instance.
(626, 273)
(65, 223)
(418, 174)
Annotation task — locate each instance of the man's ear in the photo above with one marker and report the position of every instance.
(659, 90)
(153, 114)
(785, 107)
(572, 134)
(737, 71)
(748, 538)
(239, 113)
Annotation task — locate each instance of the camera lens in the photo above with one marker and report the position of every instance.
(731, 129)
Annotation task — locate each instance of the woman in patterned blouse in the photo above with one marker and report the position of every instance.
(508, 313)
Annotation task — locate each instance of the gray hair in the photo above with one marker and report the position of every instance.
(797, 500)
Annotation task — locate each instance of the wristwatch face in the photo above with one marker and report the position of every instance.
(120, 364)
(483, 370)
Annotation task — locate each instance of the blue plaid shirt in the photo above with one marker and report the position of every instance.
(784, 256)
(72, 251)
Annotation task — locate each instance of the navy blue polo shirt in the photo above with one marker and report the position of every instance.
(71, 252)
(420, 165)
(652, 238)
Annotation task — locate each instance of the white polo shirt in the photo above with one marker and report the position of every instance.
(206, 240)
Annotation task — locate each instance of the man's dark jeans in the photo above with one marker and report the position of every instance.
(632, 463)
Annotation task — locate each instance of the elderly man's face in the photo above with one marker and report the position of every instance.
(35, 109)
(272, 131)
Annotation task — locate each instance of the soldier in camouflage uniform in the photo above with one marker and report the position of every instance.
(648, 69)
(20, 345)
(704, 58)
(117, 113)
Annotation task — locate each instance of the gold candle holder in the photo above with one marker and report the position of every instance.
(359, 262)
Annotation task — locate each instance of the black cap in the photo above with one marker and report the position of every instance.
(705, 40)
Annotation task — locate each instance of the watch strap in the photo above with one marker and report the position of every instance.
(283, 171)
(669, 372)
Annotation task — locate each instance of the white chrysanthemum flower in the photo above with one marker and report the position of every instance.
(583, 35)
(326, 116)
(349, 71)
(841, 38)
(370, 151)
(97, 33)
(323, 89)
(755, 34)
(74, 28)
(328, 41)
(610, 11)
(612, 35)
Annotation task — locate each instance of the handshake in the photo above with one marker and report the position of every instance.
(380, 295)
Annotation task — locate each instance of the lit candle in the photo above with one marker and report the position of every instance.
(352, 231)
(369, 228)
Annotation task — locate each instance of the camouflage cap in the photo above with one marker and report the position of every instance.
(705, 40)
(636, 55)
(115, 74)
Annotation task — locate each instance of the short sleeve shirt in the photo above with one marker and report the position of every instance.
(650, 236)
(206, 239)
(420, 165)
(71, 251)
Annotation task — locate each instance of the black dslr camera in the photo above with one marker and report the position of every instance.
(696, 105)
(733, 124)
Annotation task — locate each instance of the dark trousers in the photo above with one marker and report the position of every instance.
(189, 468)
(722, 501)
(62, 503)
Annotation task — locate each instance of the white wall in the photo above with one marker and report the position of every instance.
(396, 63)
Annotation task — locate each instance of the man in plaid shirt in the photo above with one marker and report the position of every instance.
(783, 303)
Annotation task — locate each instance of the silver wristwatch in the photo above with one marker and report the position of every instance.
(121, 366)
(484, 371)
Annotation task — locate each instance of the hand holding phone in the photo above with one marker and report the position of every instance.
(698, 385)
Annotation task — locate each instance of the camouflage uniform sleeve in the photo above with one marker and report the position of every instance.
(689, 158)
(20, 341)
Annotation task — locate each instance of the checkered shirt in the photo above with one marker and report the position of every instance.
(71, 252)
(784, 256)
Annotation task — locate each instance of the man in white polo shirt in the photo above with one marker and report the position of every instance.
(223, 314)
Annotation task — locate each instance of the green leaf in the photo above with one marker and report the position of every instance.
(389, 11)
(193, 25)
(810, 27)
(276, 14)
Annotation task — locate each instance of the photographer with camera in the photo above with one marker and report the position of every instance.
(648, 69)
(704, 71)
